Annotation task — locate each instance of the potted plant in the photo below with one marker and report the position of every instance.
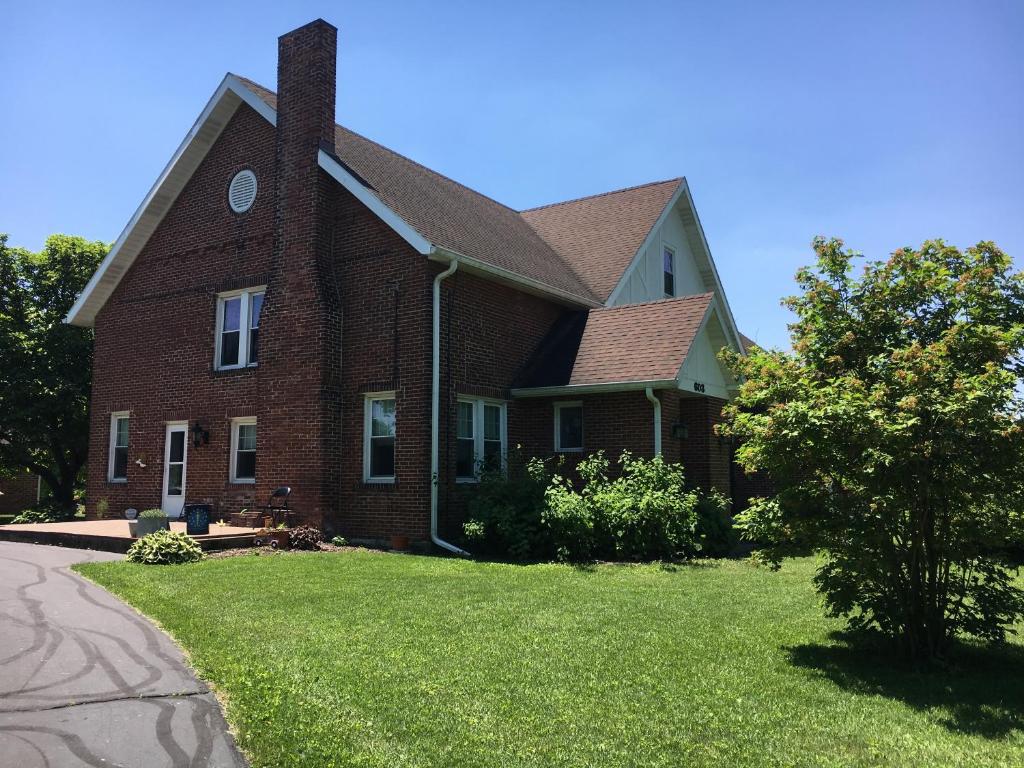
(151, 521)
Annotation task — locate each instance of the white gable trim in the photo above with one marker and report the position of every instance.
(340, 174)
(161, 196)
(682, 192)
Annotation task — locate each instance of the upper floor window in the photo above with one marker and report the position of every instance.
(117, 469)
(670, 271)
(379, 438)
(480, 437)
(238, 328)
(569, 426)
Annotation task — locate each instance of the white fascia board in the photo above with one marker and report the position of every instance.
(648, 241)
(589, 389)
(528, 284)
(719, 291)
(340, 174)
(123, 255)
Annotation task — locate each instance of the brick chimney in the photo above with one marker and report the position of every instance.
(299, 331)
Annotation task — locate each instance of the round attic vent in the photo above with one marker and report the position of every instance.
(242, 191)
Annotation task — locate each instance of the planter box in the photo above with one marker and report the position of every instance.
(147, 525)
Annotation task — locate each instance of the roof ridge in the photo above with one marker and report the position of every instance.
(397, 154)
(602, 194)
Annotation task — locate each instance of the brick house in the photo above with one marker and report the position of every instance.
(19, 492)
(294, 304)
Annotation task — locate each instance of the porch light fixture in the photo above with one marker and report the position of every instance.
(200, 436)
(679, 431)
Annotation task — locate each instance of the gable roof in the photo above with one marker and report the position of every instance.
(448, 214)
(599, 235)
(576, 252)
(628, 344)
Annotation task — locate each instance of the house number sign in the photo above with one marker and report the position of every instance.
(698, 387)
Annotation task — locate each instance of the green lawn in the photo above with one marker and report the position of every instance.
(389, 660)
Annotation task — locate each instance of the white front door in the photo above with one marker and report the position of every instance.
(175, 449)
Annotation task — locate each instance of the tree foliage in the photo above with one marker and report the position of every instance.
(45, 365)
(893, 436)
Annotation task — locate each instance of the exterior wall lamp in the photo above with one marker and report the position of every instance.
(200, 436)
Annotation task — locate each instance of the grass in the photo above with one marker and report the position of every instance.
(389, 660)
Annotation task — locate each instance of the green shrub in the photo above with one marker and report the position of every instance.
(716, 532)
(505, 510)
(165, 548)
(645, 513)
(152, 514)
(339, 541)
(44, 512)
(305, 537)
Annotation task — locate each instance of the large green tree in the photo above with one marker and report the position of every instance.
(45, 365)
(893, 435)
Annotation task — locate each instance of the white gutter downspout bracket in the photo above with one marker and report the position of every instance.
(657, 419)
(435, 408)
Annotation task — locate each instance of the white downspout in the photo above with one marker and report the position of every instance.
(657, 419)
(435, 408)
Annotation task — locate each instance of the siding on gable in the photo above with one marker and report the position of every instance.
(645, 283)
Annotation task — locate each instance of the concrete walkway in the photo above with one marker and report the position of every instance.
(86, 681)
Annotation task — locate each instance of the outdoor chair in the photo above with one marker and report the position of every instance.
(277, 506)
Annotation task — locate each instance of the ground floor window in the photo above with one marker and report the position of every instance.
(379, 438)
(481, 437)
(243, 450)
(569, 426)
(117, 469)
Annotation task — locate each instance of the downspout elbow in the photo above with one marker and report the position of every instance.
(649, 392)
(435, 409)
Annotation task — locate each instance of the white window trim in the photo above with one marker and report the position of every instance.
(368, 399)
(478, 404)
(235, 424)
(665, 248)
(243, 326)
(558, 426)
(113, 439)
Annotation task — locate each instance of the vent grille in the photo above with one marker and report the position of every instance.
(242, 191)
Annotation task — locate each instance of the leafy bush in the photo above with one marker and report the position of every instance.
(165, 548)
(152, 514)
(339, 541)
(305, 537)
(47, 511)
(716, 532)
(645, 513)
(505, 510)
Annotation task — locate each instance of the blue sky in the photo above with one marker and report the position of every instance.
(882, 123)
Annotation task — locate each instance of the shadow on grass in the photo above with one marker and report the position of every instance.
(982, 693)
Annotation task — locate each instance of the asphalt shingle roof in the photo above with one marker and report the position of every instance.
(632, 342)
(580, 246)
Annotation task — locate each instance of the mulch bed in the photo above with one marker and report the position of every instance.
(269, 551)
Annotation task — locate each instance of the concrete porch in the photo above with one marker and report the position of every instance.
(114, 535)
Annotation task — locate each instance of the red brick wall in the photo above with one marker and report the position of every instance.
(489, 331)
(154, 345)
(18, 493)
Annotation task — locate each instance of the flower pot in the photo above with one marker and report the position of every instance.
(400, 543)
(268, 521)
(147, 525)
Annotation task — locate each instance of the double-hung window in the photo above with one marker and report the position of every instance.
(669, 270)
(480, 437)
(117, 468)
(569, 426)
(379, 438)
(243, 450)
(238, 328)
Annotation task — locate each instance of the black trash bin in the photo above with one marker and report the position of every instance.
(197, 519)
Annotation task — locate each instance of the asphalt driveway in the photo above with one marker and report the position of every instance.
(86, 681)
